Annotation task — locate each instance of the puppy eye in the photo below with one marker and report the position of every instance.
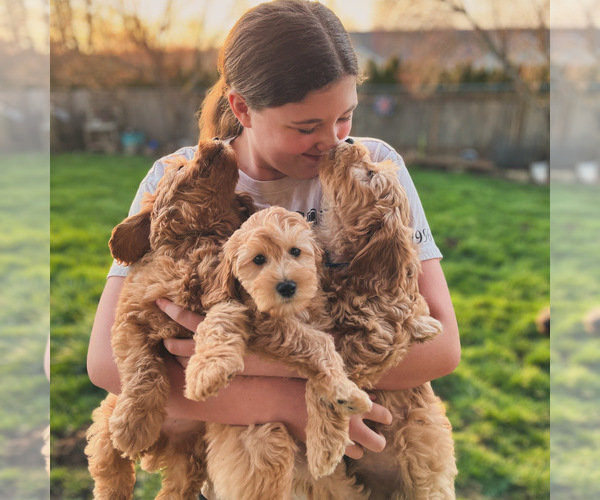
(370, 173)
(295, 252)
(259, 260)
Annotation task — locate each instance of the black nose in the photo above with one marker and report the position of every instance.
(349, 140)
(286, 288)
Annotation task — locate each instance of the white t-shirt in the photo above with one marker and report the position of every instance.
(302, 196)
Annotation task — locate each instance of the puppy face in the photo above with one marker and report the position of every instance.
(196, 196)
(357, 187)
(274, 257)
(366, 211)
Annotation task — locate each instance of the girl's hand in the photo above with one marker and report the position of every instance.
(182, 349)
(363, 436)
(188, 319)
(360, 433)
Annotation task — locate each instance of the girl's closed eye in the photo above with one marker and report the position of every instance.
(311, 130)
(306, 131)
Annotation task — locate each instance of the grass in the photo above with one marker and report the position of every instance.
(575, 353)
(495, 239)
(24, 323)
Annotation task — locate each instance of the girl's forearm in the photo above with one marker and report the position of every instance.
(435, 358)
(423, 363)
(246, 400)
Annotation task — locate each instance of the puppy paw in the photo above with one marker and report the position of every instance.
(346, 396)
(132, 429)
(205, 375)
(426, 328)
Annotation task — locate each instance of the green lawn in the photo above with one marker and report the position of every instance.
(575, 353)
(24, 324)
(495, 239)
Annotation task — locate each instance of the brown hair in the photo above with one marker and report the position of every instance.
(275, 54)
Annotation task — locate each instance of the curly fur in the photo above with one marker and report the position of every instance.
(172, 246)
(266, 299)
(374, 299)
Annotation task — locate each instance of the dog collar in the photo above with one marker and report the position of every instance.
(334, 265)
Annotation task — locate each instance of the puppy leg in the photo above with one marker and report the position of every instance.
(251, 463)
(114, 476)
(422, 327)
(327, 431)
(140, 411)
(220, 348)
(371, 346)
(312, 352)
(424, 450)
(182, 460)
(338, 485)
(330, 396)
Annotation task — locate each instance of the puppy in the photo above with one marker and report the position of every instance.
(267, 300)
(371, 284)
(172, 246)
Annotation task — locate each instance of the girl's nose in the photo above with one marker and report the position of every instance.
(328, 140)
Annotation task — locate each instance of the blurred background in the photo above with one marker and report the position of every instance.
(126, 74)
(24, 248)
(494, 106)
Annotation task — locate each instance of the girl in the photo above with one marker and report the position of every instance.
(286, 95)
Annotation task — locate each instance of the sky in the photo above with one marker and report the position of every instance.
(356, 15)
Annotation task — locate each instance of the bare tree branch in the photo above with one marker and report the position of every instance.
(499, 47)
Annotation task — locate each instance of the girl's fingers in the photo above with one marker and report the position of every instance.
(379, 414)
(188, 319)
(354, 451)
(180, 347)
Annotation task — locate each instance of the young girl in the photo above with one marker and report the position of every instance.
(286, 95)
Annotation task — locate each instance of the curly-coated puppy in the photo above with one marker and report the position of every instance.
(373, 296)
(267, 300)
(172, 246)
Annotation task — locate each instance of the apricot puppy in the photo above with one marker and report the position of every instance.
(267, 300)
(373, 297)
(172, 246)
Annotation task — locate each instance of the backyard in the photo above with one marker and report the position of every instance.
(24, 323)
(495, 238)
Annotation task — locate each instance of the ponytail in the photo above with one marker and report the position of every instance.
(215, 118)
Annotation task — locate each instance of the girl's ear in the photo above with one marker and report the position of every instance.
(240, 108)
(130, 240)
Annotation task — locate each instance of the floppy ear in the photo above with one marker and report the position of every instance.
(319, 258)
(223, 286)
(247, 207)
(130, 240)
(383, 255)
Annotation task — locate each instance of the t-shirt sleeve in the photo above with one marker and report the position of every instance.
(148, 185)
(380, 151)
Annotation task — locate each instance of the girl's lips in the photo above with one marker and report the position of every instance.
(312, 157)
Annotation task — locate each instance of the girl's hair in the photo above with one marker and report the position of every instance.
(275, 54)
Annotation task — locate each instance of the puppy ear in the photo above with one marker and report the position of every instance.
(223, 286)
(130, 240)
(386, 253)
(319, 257)
(247, 207)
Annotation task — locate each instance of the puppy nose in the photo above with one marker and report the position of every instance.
(286, 288)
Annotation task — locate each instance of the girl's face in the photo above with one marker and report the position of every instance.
(289, 140)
